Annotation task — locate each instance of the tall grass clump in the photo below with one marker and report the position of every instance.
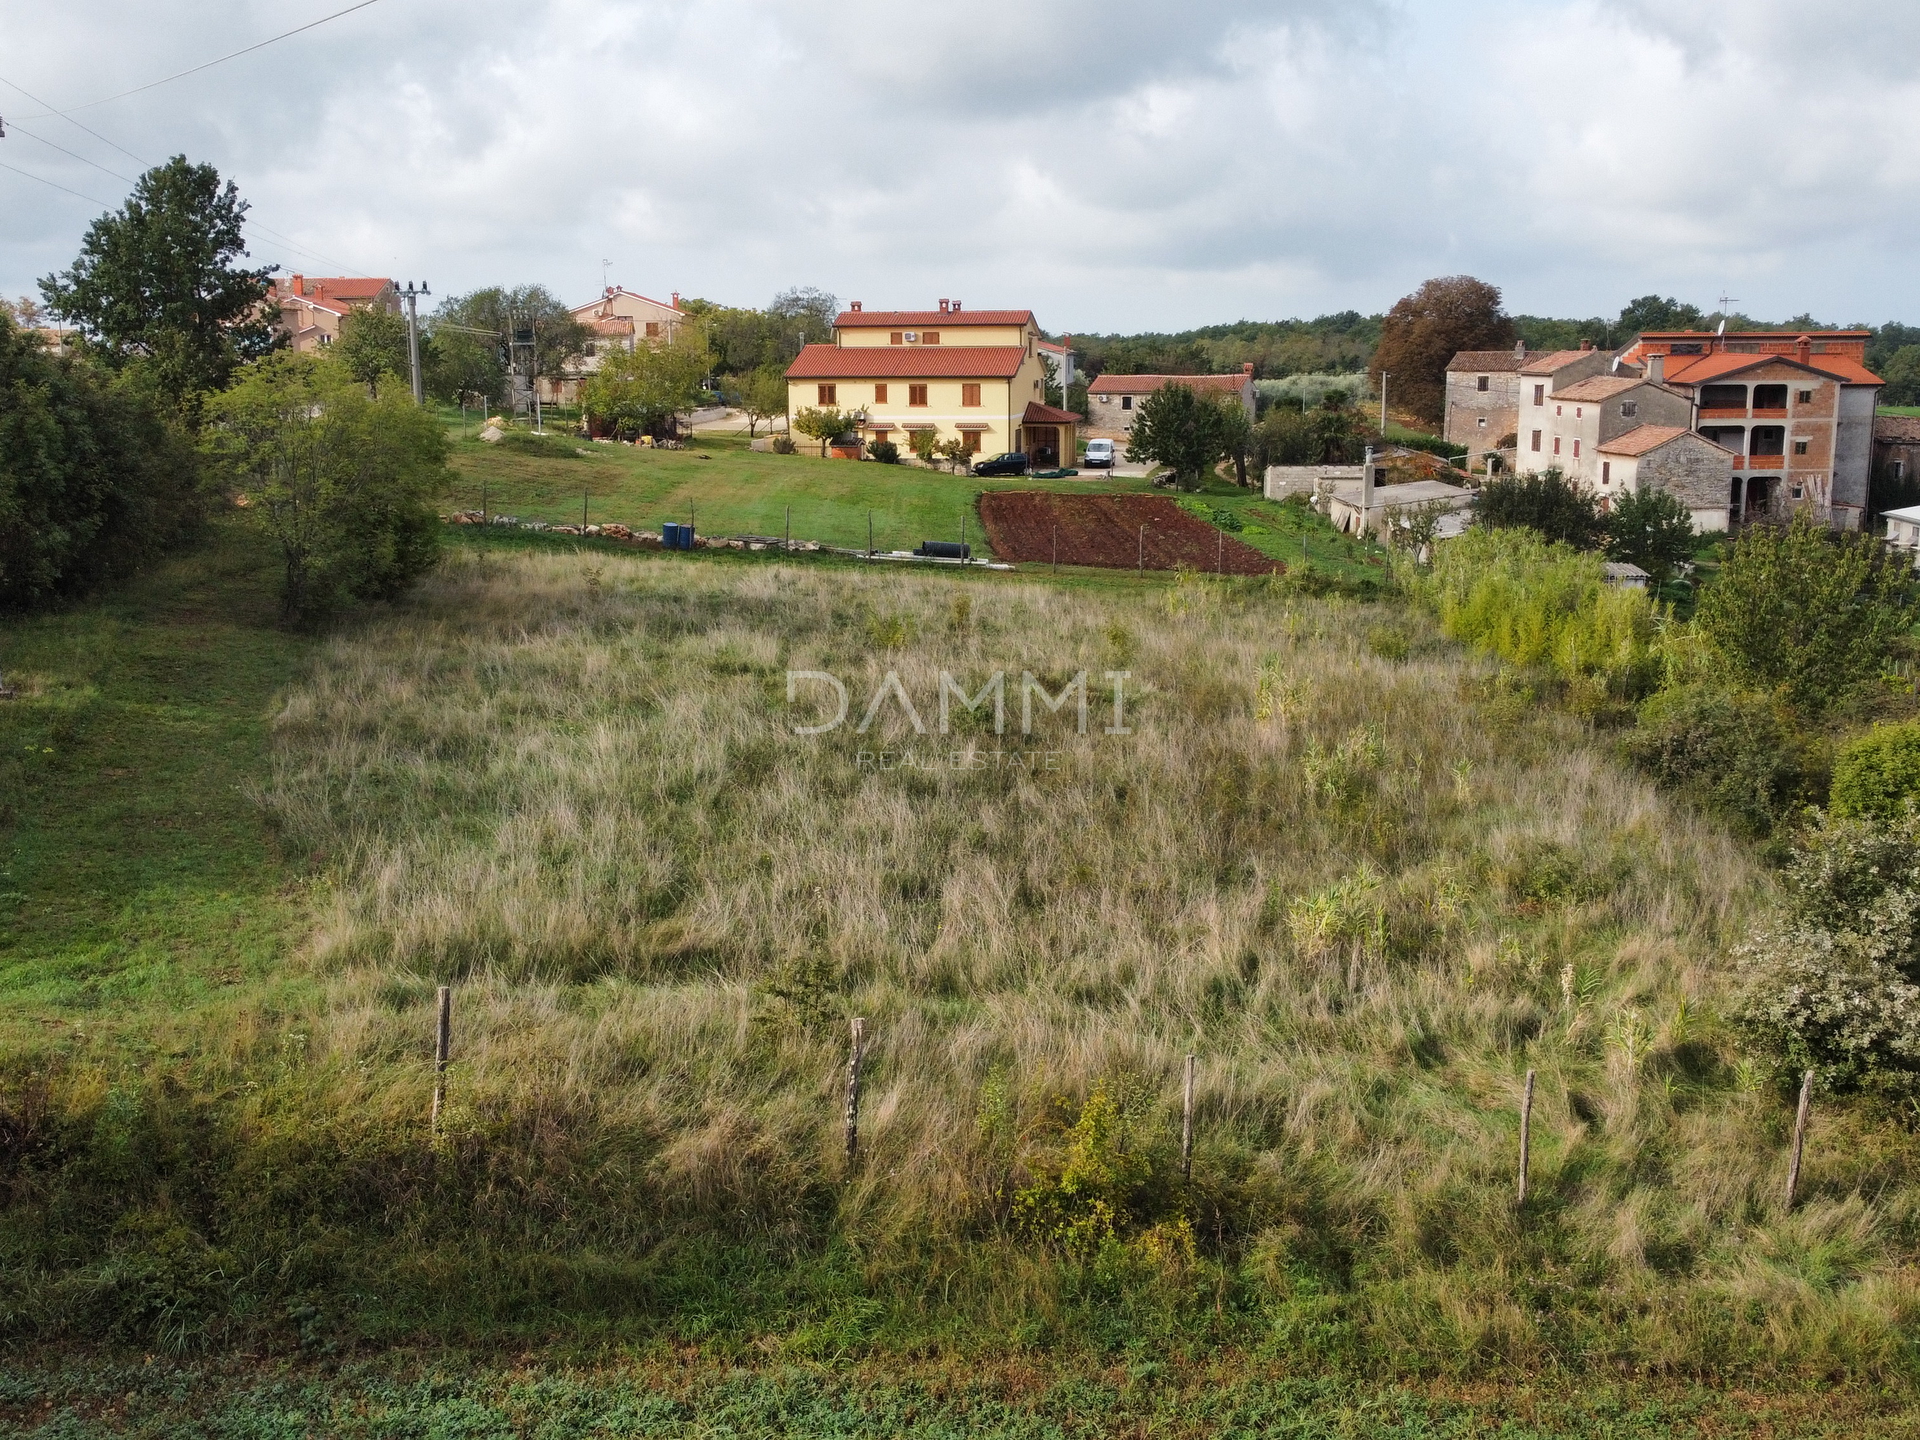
(1532, 602)
(574, 789)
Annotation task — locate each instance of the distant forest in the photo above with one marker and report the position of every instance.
(1342, 343)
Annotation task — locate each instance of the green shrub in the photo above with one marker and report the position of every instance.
(1878, 773)
(94, 474)
(1833, 985)
(783, 445)
(1730, 754)
(1806, 612)
(1533, 602)
(885, 451)
(1545, 502)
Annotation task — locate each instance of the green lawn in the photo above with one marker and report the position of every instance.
(729, 489)
(134, 874)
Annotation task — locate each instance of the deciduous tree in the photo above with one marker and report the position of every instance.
(640, 391)
(1545, 502)
(155, 282)
(343, 483)
(1180, 429)
(1805, 612)
(825, 423)
(763, 395)
(373, 344)
(1426, 329)
(1652, 529)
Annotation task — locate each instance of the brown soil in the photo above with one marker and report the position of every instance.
(1106, 530)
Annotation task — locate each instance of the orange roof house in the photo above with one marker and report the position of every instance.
(972, 375)
(312, 307)
(1113, 400)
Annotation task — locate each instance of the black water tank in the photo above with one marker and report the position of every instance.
(945, 550)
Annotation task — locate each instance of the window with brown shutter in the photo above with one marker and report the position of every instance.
(880, 394)
(829, 395)
(970, 394)
(929, 337)
(1606, 472)
(1576, 449)
(895, 338)
(653, 329)
(1483, 383)
(973, 441)
(1539, 394)
(1536, 439)
(916, 394)
(1556, 444)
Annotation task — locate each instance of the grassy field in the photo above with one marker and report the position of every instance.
(1364, 880)
(731, 490)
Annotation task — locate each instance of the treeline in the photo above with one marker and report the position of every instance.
(173, 400)
(1331, 343)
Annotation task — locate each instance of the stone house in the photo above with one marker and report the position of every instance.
(1896, 445)
(1573, 420)
(1903, 530)
(1540, 377)
(1483, 400)
(1112, 400)
(1684, 463)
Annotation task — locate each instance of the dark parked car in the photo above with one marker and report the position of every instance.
(1011, 463)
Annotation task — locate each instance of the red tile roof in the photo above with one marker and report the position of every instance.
(1642, 438)
(1598, 387)
(1552, 360)
(1038, 414)
(1504, 361)
(928, 319)
(1697, 369)
(1147, 384)
(907, 362)
(342, 287)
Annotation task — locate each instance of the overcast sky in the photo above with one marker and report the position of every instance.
(1120, 166)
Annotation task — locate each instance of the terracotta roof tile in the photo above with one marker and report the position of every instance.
(1598, 387)
(1901, 429)
(1549, 361)
(927, 319)
(1642, 438)
(1696, 369)
(907, 362)
(1038, 414)
(1503, 361)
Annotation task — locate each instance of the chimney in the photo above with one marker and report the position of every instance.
(943, 307)
(676, 299)
(854, 305)
(956, 307)
(1366, 490)
(1657, 369)
(299, 283)
(1519, 352)
(1586, 344)
(1246, 367)
(1803, 349)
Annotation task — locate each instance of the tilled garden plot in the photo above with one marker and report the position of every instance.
(1106, 530)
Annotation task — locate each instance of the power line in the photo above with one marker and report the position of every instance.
(68, 118)
(77, 156)
(104, 205)
(195, 70)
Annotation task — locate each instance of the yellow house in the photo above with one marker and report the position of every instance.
(975, 375)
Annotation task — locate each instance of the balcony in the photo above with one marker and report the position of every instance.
(1724, 413)
(1760, 414)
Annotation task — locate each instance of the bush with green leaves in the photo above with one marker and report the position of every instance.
(1832, 985)
(1544, 501)
(1807, 612)
(1652, 529)
(1178, 427)
(1878, 774)
(1732, 754)
(96, 473)
(1534, 602)
(343, 483)
(884, 451)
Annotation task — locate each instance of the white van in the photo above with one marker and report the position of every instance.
(1099, 454)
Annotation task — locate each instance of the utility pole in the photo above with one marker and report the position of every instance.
(1383, 402)
(413, 335)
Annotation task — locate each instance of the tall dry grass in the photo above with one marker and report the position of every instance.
(571, 788)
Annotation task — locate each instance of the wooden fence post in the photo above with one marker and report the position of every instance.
(1799, 1138)
(442, 1042)
(1526, 1135)
(853, 1091)
(1186, 1127)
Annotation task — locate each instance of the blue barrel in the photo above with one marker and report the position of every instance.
(686, 537)
(669, 535)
